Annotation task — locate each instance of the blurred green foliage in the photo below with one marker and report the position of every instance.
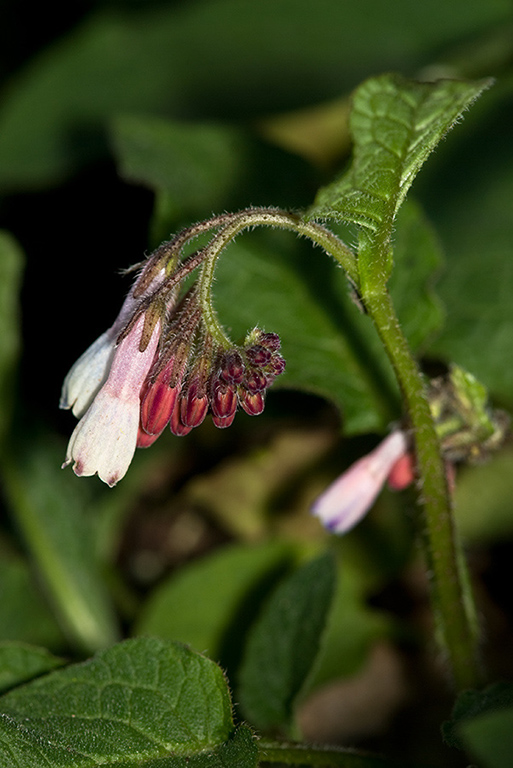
(120, 122)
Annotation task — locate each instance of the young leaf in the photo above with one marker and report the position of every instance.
(395, 125)
(141, 701)
(283, 645)
(20, 662)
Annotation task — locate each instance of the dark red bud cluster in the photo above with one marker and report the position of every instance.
(182, 391)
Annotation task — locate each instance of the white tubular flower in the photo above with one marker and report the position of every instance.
(87, 375)
(349, 498)
(105, 439)
(90, 371)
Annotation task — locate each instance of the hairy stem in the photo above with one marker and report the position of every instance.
(270, 217)
(452, 601)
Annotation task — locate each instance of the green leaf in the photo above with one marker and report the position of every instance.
(144, 701)
(330, 348)
(20, 663)
(469, 196)
(199, 605)
(196, 165)
(53, 513)
(283, 645)
(352, 628)
(473, 704)
(11, 267)
(206, 59)
(489, 738)
(25, 615)
(395, 124)
(417, 265)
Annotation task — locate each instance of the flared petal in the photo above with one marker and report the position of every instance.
(87, 375)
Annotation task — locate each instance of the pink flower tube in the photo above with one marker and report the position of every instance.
(90, 371)
(349, 498)
(105, 439)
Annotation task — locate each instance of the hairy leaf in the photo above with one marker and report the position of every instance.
(144, 701)
(283, 644)
(20, 662)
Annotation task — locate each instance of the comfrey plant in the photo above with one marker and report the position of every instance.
(168, 361)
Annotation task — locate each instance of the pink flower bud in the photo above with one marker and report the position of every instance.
(402, 473)
(350, 497)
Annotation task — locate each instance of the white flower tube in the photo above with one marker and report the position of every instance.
(349, 498)
(90, 371)
(105, 439)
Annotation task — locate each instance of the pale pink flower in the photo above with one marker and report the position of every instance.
(105, 439)
(90, 371)
(349, 498)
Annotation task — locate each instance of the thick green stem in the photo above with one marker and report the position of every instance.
(451, 597)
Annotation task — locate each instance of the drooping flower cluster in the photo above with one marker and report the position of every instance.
(161, 364)
(193, 375)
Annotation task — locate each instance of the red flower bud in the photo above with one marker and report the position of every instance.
(232, 367)
(255, 380)
(223, 400)
(259, 355)
(175, 423)
(157, 403)
(252, 403)
(193, 405)
(270, 340)
(223, 423)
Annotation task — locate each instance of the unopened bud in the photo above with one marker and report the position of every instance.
(232, 367)
(259, 355)
(255, 381)
(252, 403)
